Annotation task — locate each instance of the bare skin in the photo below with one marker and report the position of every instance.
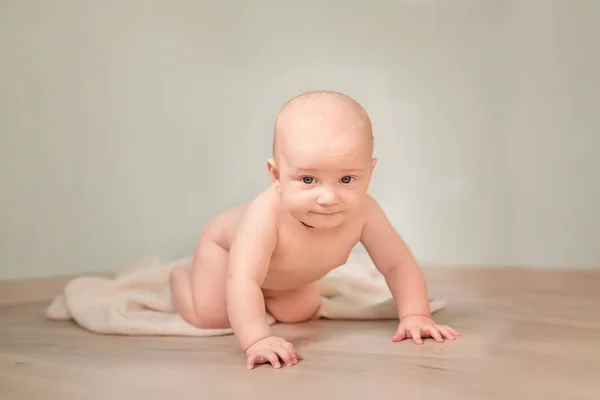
(269, 254)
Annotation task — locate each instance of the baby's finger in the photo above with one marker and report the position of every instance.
(272, 357)
(290, 348)
(253, 360)
(399, 336)
(416, 335)
(444, 330)
(433, 331)
(452, 330)
(284, 354)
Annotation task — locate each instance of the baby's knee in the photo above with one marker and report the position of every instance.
(179, 276)
(180, 283)
(294, 313)
(208, 319)
(298, 316)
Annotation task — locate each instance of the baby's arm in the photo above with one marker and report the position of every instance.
(404, 277)
(249, 260)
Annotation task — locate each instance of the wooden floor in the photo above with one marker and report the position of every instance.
(526, 334)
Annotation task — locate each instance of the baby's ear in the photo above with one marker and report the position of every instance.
(273, 173)
(373, 162)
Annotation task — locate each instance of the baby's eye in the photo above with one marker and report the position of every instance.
(346, 179)
(308, 180)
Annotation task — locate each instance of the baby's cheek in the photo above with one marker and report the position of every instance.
(357, 199)
(296, 200)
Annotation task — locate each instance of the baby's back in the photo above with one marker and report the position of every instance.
(302, 255)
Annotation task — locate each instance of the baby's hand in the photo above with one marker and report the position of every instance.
(417, 326)
(271, 349)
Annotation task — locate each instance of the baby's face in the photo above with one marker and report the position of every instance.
(324, 173)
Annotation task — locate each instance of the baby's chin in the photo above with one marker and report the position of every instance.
(323, 221)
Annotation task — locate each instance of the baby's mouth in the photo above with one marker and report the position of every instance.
(328, 213)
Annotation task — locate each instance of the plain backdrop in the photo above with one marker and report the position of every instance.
(126, 125)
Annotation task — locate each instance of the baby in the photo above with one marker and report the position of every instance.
(269, 254)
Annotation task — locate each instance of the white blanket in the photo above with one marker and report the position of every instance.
(137, 300)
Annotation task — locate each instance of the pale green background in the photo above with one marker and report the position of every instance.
(126, 125)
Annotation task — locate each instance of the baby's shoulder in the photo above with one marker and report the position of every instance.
(374, 214)
(267, 204)
(261, 214)
(371, 206)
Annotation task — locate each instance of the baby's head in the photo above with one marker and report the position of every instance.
(322, 158)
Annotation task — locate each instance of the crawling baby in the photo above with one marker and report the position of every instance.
(269, 254)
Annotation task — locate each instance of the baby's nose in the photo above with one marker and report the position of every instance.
(327, 196)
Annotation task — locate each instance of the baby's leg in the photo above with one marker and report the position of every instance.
(199, 294)
(296, 305)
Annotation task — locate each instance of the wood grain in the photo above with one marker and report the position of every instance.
(526, 334)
